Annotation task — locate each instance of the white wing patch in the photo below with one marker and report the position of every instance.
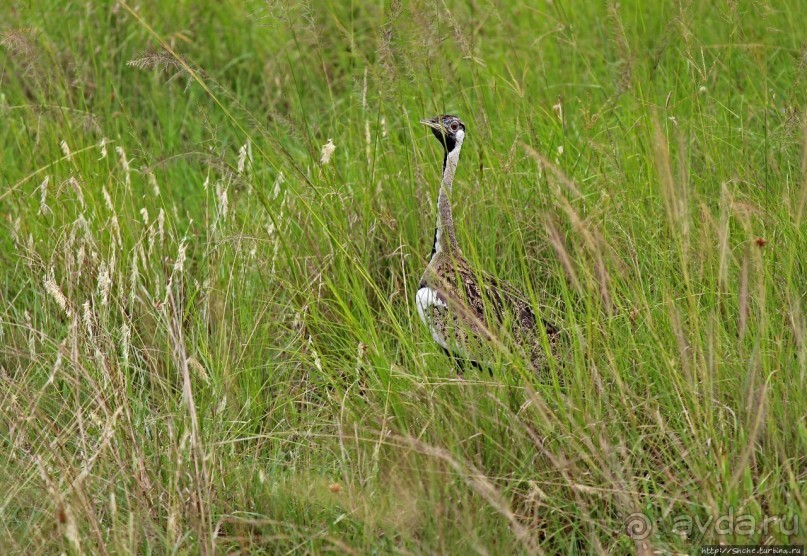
(425, 300)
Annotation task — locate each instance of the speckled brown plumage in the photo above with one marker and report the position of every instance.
(483, 314)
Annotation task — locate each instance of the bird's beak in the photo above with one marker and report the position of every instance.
(432, 123)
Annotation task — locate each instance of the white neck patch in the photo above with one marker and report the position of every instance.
(452, 159)
(448, 180)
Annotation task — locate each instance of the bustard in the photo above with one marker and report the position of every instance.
(471, 314)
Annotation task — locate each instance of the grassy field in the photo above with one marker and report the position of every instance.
(208, 337)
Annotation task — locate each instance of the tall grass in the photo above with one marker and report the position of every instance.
(216, 214)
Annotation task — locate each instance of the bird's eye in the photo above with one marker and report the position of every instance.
(454, 126)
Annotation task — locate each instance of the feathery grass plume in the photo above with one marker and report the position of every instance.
(276, 186)
(66, 150)
(107, 199)
(618, 36)
(557, 108)
(87, 317)
(124, 163)
(133, 276)
(244, 156)
(18, 42)
(152, 179)
(161, 225)
(179, 263)
(314, 354)
(104, 283)
(674, 192)
(43, 197)
(76, 187)
(222, 202)
(22, 47)
(159, 60)
(113, 223)
(327, 151)
(102, 147)
(15, 232)
(152, 239)
(125, 338)
(56, 293)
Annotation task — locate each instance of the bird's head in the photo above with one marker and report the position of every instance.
(448, 129)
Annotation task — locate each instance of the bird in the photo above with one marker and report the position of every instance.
(472, 315)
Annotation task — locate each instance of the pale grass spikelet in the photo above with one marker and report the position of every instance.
(66, 150)
(100, 360)
(87, 318)
(152, 179)
(221, 200)
(327, 152)
(102, 147)
(107, 199)
(104, 283)
(56, 293)
(361, 351)
(113, 223)
(315, 355)
(557, 108)
(383, 123)
(113, 507)
(161, 225)
(15, 231)
(112, 258)
(81, 222)
(43, 197)
(152, 237)
(276, 186)
(29, 246)
(57, 365)
(80, 257)
(76, 186)
(368, 148)
(133, 279)
(144, 214)
(274, 255)
(125, 338)
(244, 157)
(179, 264)
(222, 405)
(124, 163)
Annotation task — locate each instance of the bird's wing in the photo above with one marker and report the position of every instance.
(506, 300)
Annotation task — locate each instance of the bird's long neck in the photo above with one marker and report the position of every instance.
(444, 236)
